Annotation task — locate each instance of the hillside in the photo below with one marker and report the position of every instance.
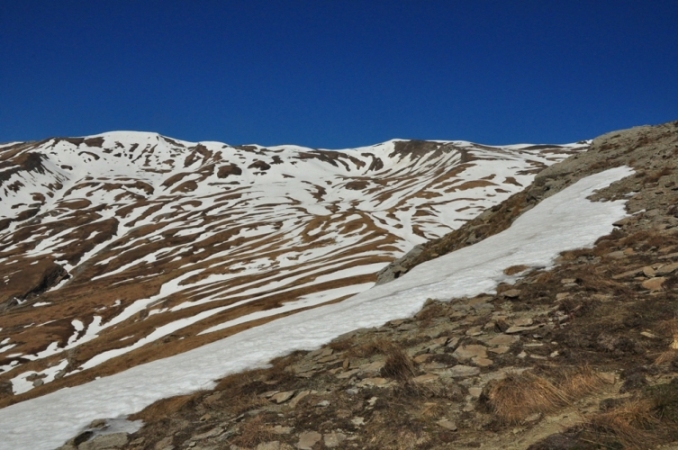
(125, 247)
(591, 336)
(580, 355)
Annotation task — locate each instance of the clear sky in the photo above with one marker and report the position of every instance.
(337, 73)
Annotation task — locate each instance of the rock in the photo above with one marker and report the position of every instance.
(447, 424)
(616, 255)
(523, 322)
(674, 344)
(208, 434)
(649, 335)
(503, 340)
(164, 443)
(461, 371)
(481, 308)
(522, 355)
(654, 284)
(300, 396)
(499, 350)
(648, 271)
(282, 397)
(475, 391)
(501, 324)
(467, 352)
(321, 353)
(511, 293)
(608, 377)
(372, 368)
(667, 269)
(399, 266)
(438, 342)
(426, 378)
(452, 343)
(279, 429)
(308, 439)
(323, 403)
(333, 439)
(420, 359)
(376, 382)
(482, 362)
(357, 421)
(348, 374)
(516, 329)
(105, 441)
(272, 445)
(474, 331)
(533, 418)
(434, 366)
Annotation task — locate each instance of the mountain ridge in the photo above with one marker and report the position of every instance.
(121, 248)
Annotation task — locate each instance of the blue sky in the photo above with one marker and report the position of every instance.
(337, 73)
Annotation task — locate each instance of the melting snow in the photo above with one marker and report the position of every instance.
(564, 221)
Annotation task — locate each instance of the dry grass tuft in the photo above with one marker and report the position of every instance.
(666, 357)
(370, 348)
(398, 365)
(579, 383)
(253, 433)
(515, 269)
(432, 310)
(163, 408)
(633, 424)
(655, 176)
(520, 395)
(341, 345)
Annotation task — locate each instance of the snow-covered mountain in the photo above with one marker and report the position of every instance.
(125, 247)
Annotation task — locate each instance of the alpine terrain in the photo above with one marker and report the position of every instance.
(161, 294)
(125, 247)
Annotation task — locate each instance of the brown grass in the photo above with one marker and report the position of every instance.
(633, 424)
(254, 432)
(521, 395)
(398, 365)
(431, 310)
(515, 269)
(666, 357)
(655, 176)
(341, 345)
(163, 408)
(370, 348)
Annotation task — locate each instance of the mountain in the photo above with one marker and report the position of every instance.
(547, 321)
(125, 247)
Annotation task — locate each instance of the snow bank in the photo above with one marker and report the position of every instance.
(564, 221)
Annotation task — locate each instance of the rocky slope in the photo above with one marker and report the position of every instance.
(123, 248)
(580, 356)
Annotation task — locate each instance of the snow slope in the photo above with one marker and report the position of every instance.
(564, 221)
(125, 247)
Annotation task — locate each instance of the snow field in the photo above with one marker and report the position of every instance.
(564, 221)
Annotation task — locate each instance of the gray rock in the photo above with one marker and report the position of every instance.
(399, 266)
(105, 442)
(308, 439)
(334, 439)
(461, 371)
